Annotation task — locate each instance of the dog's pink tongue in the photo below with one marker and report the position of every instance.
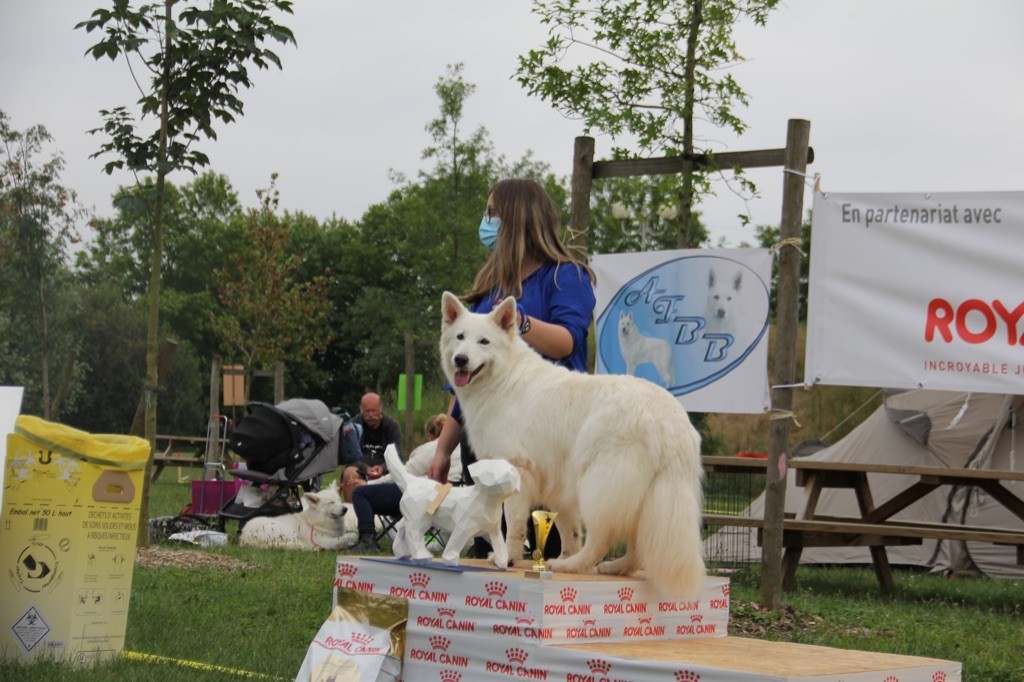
(461, 378)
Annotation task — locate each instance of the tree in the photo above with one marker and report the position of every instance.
(37, 227)
(196, 63)
(657, 68)
(268, 315)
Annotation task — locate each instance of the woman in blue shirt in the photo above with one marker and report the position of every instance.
(554, 291)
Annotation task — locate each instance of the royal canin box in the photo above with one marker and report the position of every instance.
(566, 609)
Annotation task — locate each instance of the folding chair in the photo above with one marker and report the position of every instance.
(387, 526)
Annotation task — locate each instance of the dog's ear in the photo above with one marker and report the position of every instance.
(451, 308)
(312, 499)
(738, 281)
(505, 314)
(711, 278)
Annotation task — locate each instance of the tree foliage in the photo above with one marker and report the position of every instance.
(645, 72)
(38, 216)
(196, 65)
(266, 313)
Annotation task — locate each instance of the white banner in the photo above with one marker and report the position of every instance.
(917, 290)
(694, 321)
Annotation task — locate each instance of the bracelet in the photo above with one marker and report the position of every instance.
(524, 326)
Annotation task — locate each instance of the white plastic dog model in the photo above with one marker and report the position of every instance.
(320, 525)
(465, 512)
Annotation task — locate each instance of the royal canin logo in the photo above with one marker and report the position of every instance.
(939, 676)
(524, 621)
(568, 595)
(568, 607)
(725, 589)
(599, 671)
(687, 676)
(446, 613)
(644, 629)
(495, 588)
(891, 678)
(450, 676)
(697, 618)
(439, 643)
(625, 604)
(515, 666)
(355, 645)
(347, 570)
(418, 579)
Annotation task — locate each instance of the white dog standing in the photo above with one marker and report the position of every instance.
(621, 446)
(465, 512)
(637, 349)
(320, 525)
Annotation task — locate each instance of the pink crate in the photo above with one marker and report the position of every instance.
(208, 497)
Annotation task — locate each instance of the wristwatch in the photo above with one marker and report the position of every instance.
(524, 326)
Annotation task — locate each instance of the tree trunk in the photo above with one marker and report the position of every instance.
(686, 201)
(153, 330)
(45, 334)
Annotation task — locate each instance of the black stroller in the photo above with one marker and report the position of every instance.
(287, 448)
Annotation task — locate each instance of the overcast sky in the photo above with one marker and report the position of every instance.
(902, 96)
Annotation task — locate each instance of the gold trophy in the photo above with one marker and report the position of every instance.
(542, 523)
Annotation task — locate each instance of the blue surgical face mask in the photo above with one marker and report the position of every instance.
(489, 231)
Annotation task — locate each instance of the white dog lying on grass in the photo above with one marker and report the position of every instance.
(320, 525)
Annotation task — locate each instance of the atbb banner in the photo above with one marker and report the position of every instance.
(694, 321)
(917, 291)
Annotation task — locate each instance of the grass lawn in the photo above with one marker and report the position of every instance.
(244, 613)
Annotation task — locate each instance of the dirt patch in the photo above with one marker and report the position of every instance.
(747, 619)
(157, 556)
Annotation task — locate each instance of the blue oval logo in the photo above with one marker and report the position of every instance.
(685, 323)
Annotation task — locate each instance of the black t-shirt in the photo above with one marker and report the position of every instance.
(373, 441)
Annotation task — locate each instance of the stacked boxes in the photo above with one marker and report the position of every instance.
(489, 624)
(67, 541)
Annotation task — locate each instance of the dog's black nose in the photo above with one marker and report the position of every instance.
(461, 361)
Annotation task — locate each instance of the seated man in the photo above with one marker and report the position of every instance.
(382, 497)
(377, 431)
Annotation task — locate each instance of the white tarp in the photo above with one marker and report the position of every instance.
(917, 291)
(694, 321)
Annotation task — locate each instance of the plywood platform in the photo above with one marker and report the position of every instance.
(776, 660)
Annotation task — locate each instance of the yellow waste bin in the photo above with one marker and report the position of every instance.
(67, 541)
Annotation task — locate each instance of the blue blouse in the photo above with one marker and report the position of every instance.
(561, 294)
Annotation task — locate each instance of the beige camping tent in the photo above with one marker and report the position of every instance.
(924, 428)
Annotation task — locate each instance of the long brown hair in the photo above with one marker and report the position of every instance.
(529, 228)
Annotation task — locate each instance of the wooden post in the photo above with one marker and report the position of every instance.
(579, 199)
(215, 387)
(278, 382)
(787, 306)
(410, 385)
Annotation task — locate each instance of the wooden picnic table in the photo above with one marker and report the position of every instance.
(184, 451)
(873, 528)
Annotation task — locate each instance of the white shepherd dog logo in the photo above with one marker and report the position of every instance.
(638, 349)
(617, 450)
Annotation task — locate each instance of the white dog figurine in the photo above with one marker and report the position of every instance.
(619, 449)
(638, 349)
(465, 512)
(320, 525)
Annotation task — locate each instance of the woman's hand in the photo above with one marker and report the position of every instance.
(439, 467)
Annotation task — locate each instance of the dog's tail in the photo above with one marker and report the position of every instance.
(395, 466)
(668, 537)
